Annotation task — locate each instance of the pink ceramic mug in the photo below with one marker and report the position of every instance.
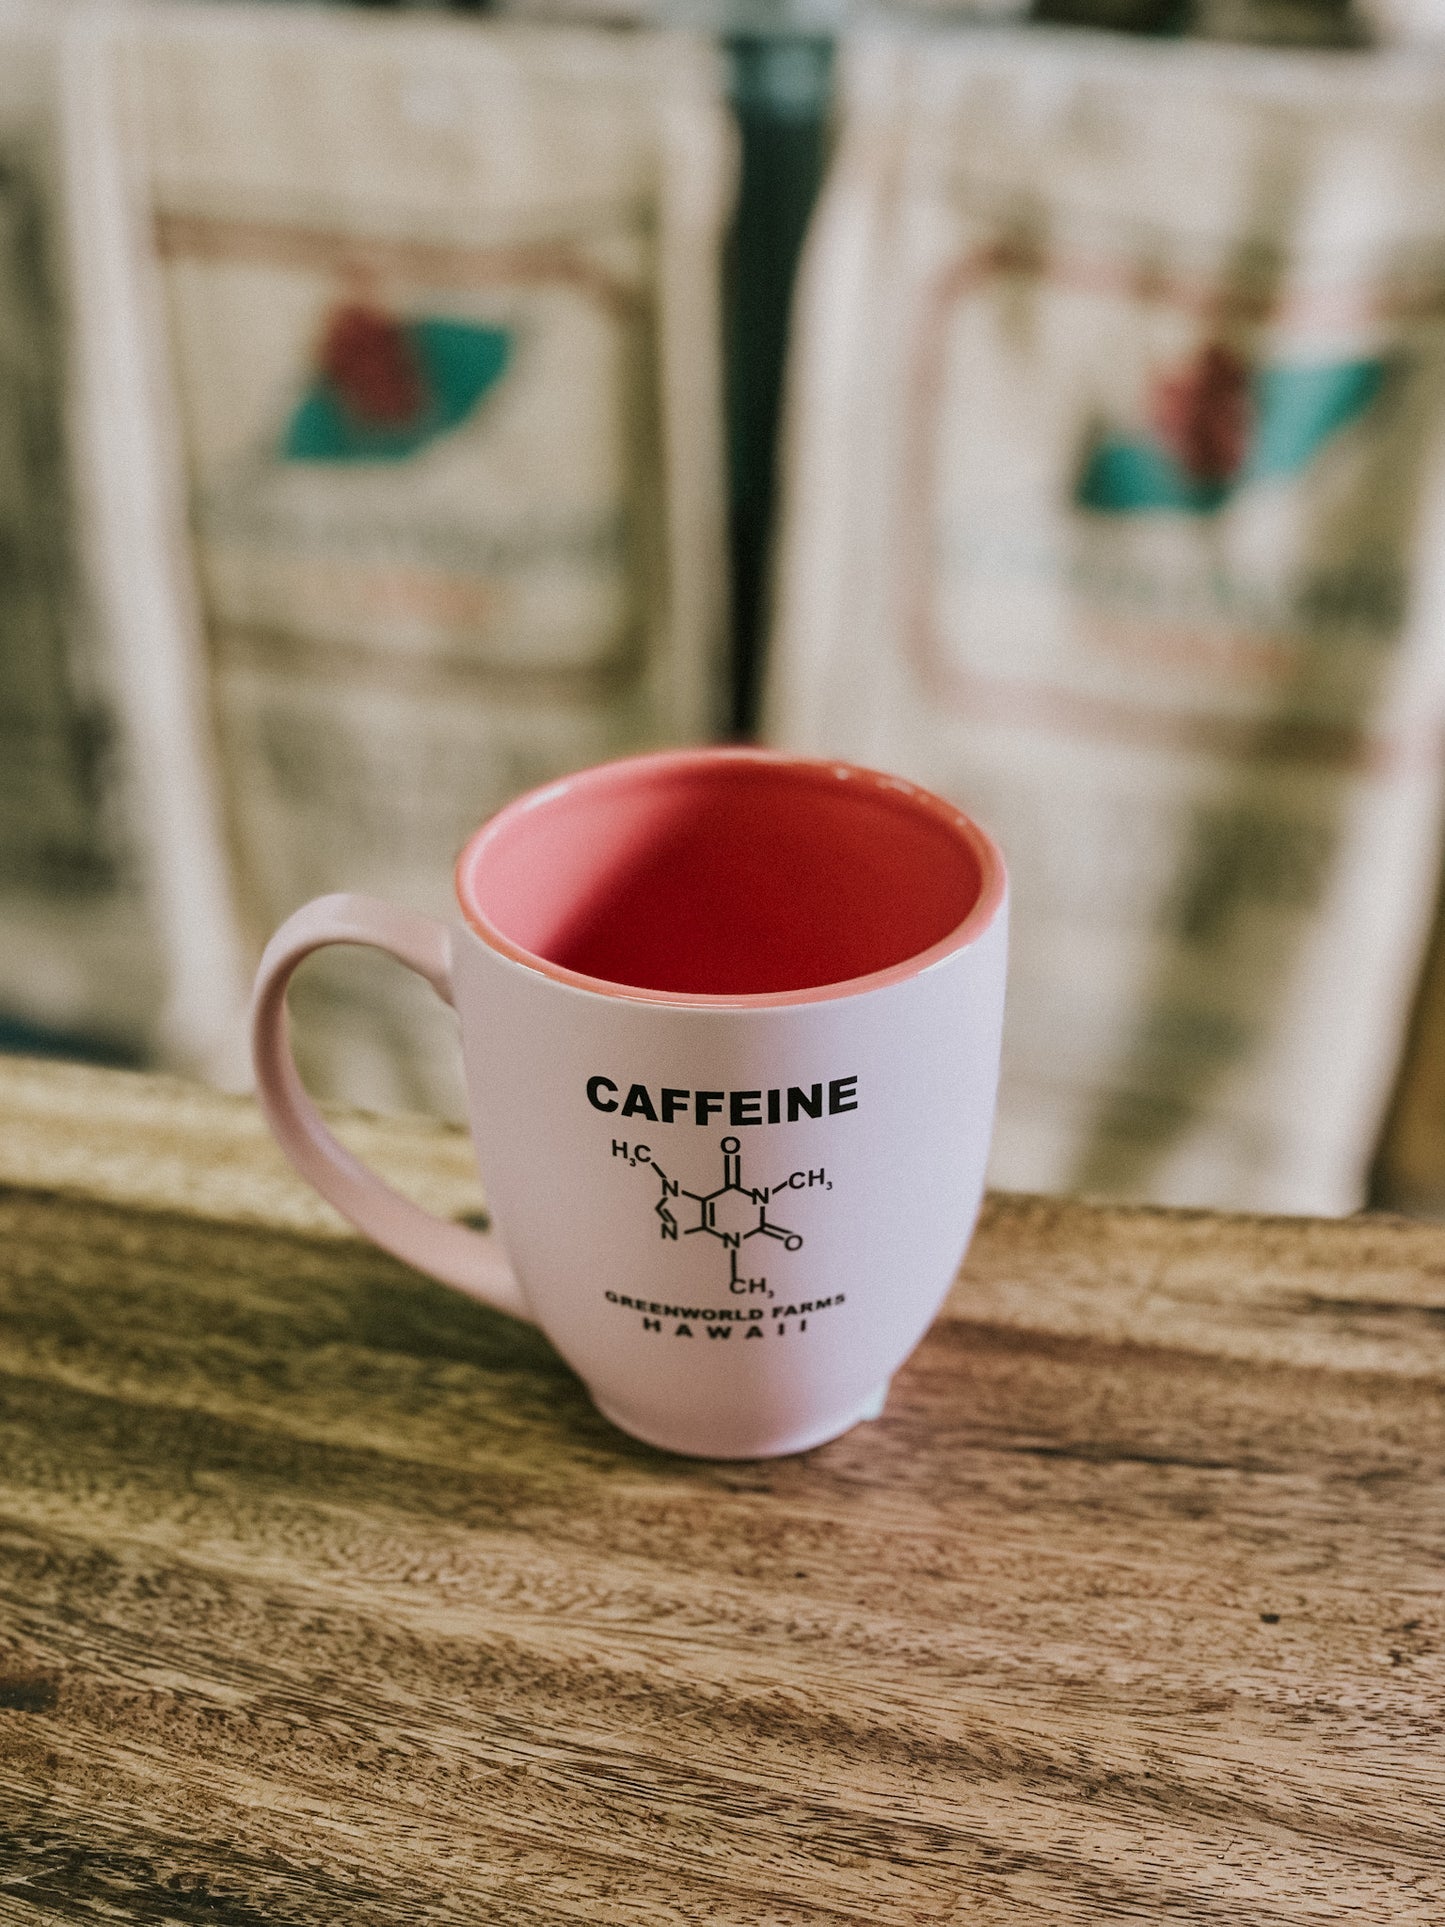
(731, 1025)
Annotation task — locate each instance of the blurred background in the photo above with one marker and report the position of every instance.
(402, 405)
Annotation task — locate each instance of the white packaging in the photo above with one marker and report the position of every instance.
(82, 954)
(1115, 513)
(439, 304)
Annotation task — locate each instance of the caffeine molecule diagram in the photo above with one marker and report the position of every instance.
(733, 1213)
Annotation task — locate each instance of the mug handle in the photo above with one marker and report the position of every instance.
(451, 1252)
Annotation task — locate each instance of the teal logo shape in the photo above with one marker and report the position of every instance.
(383, 389)
(1218, 426)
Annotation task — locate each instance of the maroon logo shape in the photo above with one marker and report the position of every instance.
(1204, 414)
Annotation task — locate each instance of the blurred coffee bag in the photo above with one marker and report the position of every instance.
(1115, 512)
(439, 304)
(82, 958)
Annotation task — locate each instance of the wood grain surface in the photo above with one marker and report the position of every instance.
(325, 1596)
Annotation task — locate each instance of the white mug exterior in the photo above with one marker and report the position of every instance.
(734, 1289)
(734, 1217)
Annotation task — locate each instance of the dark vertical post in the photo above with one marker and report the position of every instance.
(780, 94)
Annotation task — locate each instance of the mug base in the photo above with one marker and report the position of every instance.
(773, 1446)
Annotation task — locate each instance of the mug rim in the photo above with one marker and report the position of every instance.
(992, 890)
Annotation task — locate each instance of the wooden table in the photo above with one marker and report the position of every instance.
(325, 1596)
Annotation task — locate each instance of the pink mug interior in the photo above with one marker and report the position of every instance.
(730, 874)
